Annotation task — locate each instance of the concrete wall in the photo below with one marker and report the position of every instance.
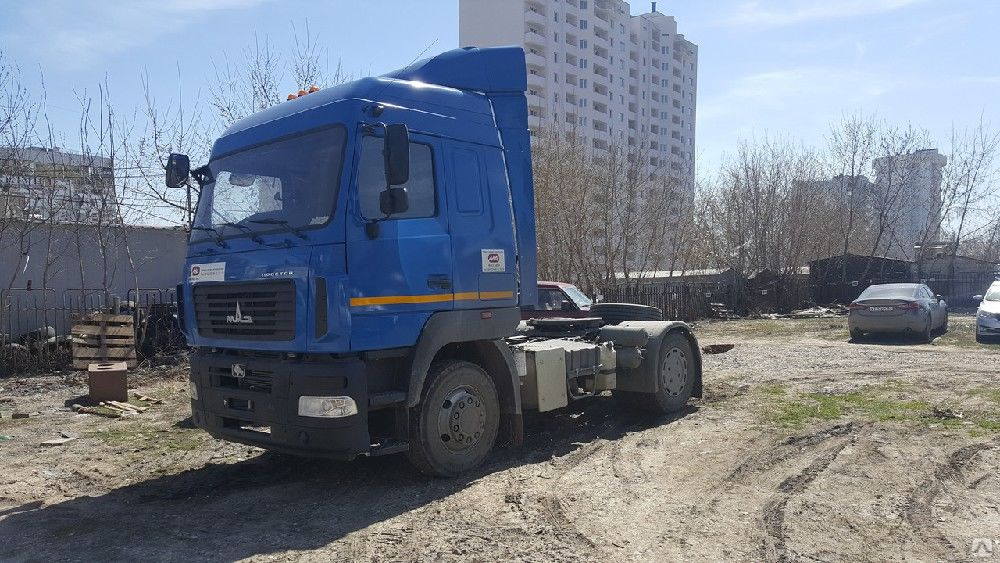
(157, 255)
(25, 253)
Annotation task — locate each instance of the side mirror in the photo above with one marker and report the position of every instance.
(938, 297)
(977, 297)
(393, 201)
(397, 154)
(178, 170)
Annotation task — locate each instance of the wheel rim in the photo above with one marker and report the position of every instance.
(461, 419)
(673, 372)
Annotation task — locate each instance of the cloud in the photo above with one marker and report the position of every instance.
(980, 79)
(78, 35)
(760, 15)
(795, 89)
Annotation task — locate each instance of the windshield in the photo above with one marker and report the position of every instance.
(578, 297)
(993, 294)
(290, 183)
(889, 291)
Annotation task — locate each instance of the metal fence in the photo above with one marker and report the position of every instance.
(684, 301)
(36, 324)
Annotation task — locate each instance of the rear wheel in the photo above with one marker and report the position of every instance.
(928, 333)
(455, 425)
(676, 373)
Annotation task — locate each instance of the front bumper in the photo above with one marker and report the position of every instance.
(261, 409)
(988, 326)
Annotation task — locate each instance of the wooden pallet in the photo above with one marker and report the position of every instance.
(100, 337)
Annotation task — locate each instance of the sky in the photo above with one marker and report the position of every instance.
(777, 67)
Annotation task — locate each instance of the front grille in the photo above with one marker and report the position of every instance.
(259, 380)
(246, 310)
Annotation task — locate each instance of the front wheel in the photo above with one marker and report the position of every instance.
(455, 425)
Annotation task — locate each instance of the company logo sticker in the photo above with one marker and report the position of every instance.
(213, 271)
(494, 260)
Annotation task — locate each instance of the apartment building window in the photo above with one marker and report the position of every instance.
(555, 57)
(583, 4)
(555, 36)
(556, 76)
(555, 97)
(555, 16)
(583, 63)
(583, 43)
(583, 24)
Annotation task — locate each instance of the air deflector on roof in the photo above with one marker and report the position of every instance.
(488, 69)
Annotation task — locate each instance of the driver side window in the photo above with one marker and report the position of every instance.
(420, 187)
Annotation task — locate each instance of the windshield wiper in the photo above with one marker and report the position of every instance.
(215, 235)
(250, 232)
(287, 226)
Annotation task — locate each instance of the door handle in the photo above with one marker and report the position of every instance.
(439, 282)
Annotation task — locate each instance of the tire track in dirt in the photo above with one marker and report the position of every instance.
(542, 511)
(918, 510)
(775, 544)
(794, 446)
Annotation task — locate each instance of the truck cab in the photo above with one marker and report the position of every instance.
(358, 257)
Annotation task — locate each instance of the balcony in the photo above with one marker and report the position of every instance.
(532, 38)
(536, 80)
(535, 16)
(534, 60)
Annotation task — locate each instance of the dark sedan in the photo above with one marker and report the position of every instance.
(901, 308)
(558, 299)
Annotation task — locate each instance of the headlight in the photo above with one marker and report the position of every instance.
(193, 390)
(983, 315)
(327, 407)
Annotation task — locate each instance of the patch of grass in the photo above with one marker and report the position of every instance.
(772, 389)
(990, 393)
(872, 403)
(174, 439)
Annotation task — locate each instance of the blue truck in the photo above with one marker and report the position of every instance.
(357, 263)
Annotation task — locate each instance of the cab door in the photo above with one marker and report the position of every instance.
(402, 274)
(481, 223)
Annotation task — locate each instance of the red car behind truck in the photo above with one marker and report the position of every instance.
(558, 299)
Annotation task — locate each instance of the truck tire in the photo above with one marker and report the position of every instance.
(455, 425)
(676, 373)
(614, 313)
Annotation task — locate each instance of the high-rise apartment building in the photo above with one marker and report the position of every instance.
(45, 184)
(910, 187)
(613, 79)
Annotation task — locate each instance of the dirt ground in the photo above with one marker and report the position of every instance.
(806, 447)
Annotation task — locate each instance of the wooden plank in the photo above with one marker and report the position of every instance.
(95, 341)
(111, 344)
(84, 363)
(103, 353)
(89, 318)
(108, 330)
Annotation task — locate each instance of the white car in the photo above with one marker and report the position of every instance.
(988, 316)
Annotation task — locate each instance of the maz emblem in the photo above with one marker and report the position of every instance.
(239, 317)
(239, 371)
